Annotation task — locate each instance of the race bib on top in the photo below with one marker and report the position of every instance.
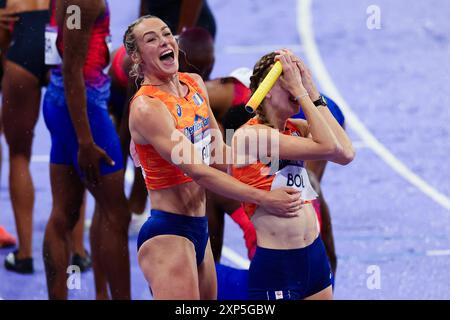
(52, 57)
(203, 147)
(295, 176)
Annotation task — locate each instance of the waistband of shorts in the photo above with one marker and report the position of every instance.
(278, 253)
(95, 97)
(176, 217)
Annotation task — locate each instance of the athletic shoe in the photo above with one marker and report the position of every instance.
(84, 263)
(24, 266)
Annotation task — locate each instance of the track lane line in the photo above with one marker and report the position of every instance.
(306, 33)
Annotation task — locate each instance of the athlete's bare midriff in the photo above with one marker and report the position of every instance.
(286, 233)
(28, 5)
(187, 199)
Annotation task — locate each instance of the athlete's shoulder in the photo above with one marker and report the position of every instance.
(196, 81)
(144, 104)
(252, 128)
(194, 76)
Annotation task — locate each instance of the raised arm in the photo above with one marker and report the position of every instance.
(346, 153)
(189, 13)
(151, 123)
(323, 144)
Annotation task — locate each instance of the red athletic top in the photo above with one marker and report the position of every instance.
(191, 117)
(97, 58)
(241, 93)
(117, 67)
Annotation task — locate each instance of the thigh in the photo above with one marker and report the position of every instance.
(216, 222)
(325, 294)
(110, 196)
(169, 266)
(207, 276)
(57, 119)
(106, 137)
(21, 102)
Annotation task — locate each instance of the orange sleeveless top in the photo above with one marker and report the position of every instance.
(288, 173)
(191, 117)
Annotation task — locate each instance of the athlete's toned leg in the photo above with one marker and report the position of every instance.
(207, 277)
(6, 239)
(327, 234)
(110, 234)
(315, 171)
(216, 223)
(78, 231)
(169, 266)
(100, 278)
(21, 101)
(80, 256)
(67, 193)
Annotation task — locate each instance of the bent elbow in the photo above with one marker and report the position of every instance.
(350, 155)
(194, 174)
(197, 172)
(332, 150)
(346, 156)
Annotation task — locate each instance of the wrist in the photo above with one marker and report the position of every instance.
(320, 102)
(315, 96)
(299, 91)
(259, 196)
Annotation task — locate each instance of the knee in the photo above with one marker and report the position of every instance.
(174, 287)
(64, 220)
(73, 215)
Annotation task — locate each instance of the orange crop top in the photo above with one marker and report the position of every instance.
(290, 173)
(191, 117)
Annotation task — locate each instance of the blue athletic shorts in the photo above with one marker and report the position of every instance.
(194, 229)
(232, 283)
(334, 109)
(64, 148)
(289, 274)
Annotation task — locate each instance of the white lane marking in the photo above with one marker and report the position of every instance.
(262, 49)
(306, 33)
(438, 252)
(236, 258)
(359, 144)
